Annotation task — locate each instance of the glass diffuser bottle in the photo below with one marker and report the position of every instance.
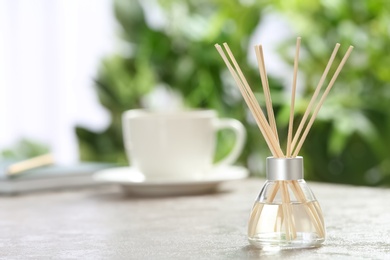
(286, 213)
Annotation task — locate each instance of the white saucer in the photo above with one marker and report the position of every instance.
(134, 181)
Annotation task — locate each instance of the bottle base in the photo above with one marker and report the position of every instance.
(280, 241)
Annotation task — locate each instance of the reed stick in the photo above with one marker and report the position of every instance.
(286, 207)
(285, 210)
(280, 220)
(292, 103)
(256, 110)
(312, 213)
(290, 216)
(264, 127)
(324, 95)
(314, 97)
(310, 209)
(267, 93)
(248, 100)
(273, 193)
(249, 90)
(271, 198)
(29, 164)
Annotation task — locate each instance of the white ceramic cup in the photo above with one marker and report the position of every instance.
(177, 145)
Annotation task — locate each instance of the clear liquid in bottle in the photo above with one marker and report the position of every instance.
(286, 213)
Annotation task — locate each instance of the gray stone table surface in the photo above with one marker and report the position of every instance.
(104, 223)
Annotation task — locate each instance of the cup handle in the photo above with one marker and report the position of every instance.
(239, 130)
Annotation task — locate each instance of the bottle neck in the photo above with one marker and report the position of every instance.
(284, 168)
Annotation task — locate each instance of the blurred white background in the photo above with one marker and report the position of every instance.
(49, 54)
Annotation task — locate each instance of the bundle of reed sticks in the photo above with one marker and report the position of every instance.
(269, 130)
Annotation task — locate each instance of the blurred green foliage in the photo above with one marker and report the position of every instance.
(24, 149)
(350, 140)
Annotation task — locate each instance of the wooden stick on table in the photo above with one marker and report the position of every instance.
(29, 164)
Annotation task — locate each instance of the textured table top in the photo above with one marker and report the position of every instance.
(103, 223)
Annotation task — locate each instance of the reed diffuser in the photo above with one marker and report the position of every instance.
(286, 213)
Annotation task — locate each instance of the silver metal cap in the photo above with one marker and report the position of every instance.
(284, 168)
